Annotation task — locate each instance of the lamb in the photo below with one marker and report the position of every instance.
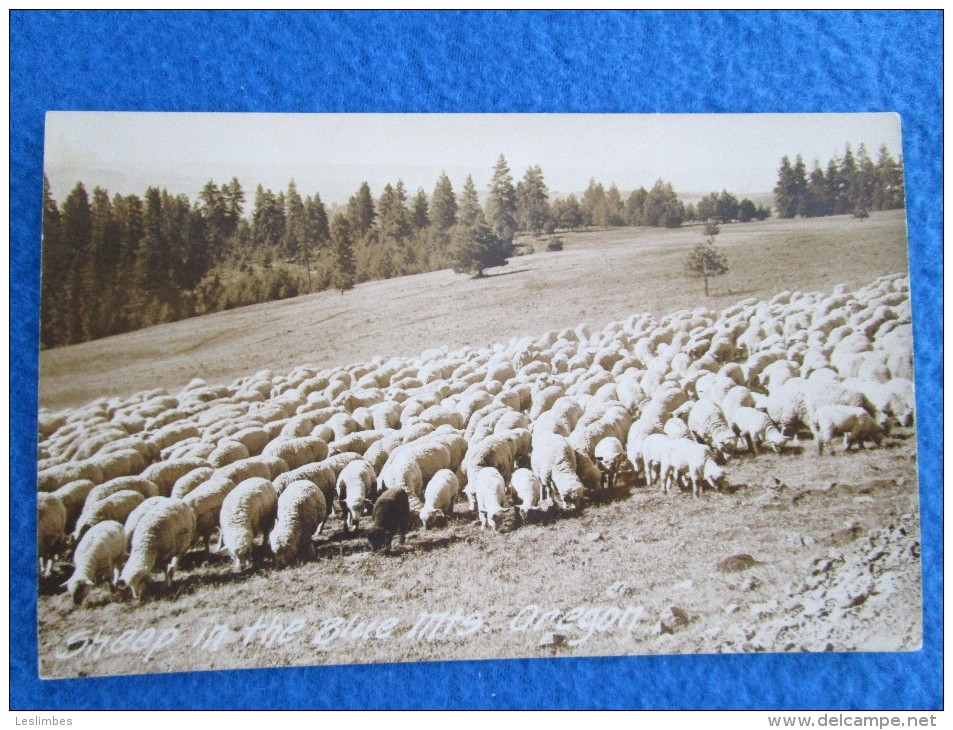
(206, 501)
(757, 428)
(391, 517)
(301, 512)
(439, 498)
(248, 511)
(855, 424)
(50, 530)
(356, 487)
(527, 490)
(684, 457)
(116, 507)
(97, 559)
(162, 536)
(490, 491)
(609, 453)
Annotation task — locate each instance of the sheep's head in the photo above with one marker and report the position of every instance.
(433, 518)
(713, 474)
(78, 589)
(379, 539)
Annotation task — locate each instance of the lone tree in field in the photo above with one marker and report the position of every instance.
(475, 248)
(705, 260)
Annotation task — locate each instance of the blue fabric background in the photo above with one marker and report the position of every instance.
(486, 62)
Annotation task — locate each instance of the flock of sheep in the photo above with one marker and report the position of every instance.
(129, 485)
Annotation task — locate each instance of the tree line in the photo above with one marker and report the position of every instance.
(848, 185)
(113, 264)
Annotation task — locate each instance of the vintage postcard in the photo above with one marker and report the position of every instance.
(332, 389)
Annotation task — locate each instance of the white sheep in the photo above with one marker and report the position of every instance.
(300, 513)
(554, 462)
(206, 501)
(187, 482)
(356, 488)
(164, 474)
(691, 460)
(298, 451)
(527, 490)
(248, 511)
(97, 559)
(609, 453)
(756, 427)
(853, 423)
(50, 530)
(73, 496)
(115, 507)
(439, 498)
(489, 489)
(707, 424)
(162, 536)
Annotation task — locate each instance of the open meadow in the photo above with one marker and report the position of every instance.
(794, 552)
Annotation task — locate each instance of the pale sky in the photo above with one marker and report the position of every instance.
(333, 153)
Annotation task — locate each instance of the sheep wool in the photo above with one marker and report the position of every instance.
(248, 511)
(162, 536)
(97, 559)
(301, 512)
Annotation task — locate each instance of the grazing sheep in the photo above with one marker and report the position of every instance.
(391, 517)
(855, 424)
(73, 496)
(298, 451)
(707, 424)
(206, 501)
(116, 507)
(356, 487)
(228, 451)
(300, 513)
(50, 530)
(187, 482)
(489, 488)
(608, 454)
(527, 490)
(262, 467)
(248, 511)
(135, 517)
(162, 536)
(756, 427)
(439, 498)
(51, 479)
(685, 458)
(554, 462)
(137, 484)
(97, 559)
(164, 474)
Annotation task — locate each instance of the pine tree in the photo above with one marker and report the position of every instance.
(476, 248)
(443, 204)
(343, 241)
(785, 193)
(532, 201)
(501, 203)
(615, 207)
(420, 213)
(53, 326)
(77, 230)
(470, 213)
(662, 207)
(293, 240)
(634, 206)
(360, 211)
(593, 205)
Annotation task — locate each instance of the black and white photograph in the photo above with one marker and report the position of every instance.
(324, 389)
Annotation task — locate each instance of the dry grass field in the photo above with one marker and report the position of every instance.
(795, 553)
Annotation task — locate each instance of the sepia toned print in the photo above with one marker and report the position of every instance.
(386, 388)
